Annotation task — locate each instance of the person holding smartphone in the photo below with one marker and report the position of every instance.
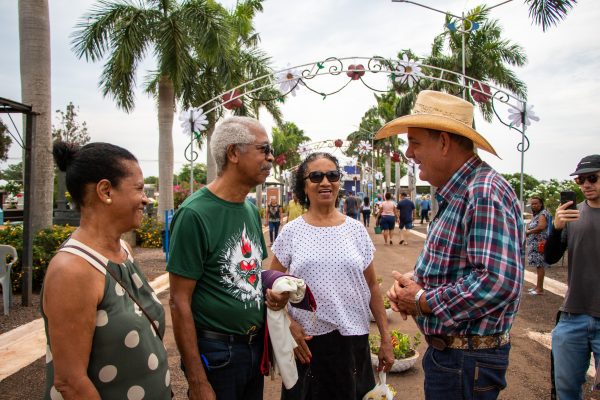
(578, 329)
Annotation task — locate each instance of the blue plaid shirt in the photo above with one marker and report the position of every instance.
(472, 262)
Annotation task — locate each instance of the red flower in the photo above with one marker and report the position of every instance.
(479, 97)
(280, 159)
(396, 156)
(338, 143)
(231, 104)
(355, 71)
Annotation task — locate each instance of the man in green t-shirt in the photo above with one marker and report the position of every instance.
(215, 256)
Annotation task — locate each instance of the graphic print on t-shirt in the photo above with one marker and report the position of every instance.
(240, 266)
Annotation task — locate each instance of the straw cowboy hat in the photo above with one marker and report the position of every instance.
(442, 112)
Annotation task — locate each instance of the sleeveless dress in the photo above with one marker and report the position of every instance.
(534, 256)
(128, 359)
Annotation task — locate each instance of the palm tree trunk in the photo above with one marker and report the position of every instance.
(34, 42)
(166, 104)
(397, 171)
(388, 168)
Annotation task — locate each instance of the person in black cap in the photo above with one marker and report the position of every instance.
(578, 330)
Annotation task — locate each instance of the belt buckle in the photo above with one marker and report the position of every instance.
(438, 343)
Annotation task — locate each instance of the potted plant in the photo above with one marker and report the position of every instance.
(388, 309)
(404, 347)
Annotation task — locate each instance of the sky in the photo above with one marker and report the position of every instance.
(561, 75)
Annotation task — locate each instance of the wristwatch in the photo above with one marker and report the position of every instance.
(418, 302)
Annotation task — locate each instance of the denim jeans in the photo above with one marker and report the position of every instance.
(273, 230)
(454, 374)
(573, 339)
(233, 369)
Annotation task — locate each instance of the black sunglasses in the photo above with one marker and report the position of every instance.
(317, 176)
(265, 148)
(580, 180)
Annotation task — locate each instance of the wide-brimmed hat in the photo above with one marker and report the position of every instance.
(588, 164)
(442, 112)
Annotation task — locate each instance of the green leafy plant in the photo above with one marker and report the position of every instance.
(150, 232)
(403, 345)
(45, 244)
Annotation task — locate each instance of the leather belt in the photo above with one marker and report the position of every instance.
(228, 337)
(474, 342)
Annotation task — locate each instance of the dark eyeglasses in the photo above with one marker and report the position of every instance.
(580, 180)
(263, 148)
(317, 176)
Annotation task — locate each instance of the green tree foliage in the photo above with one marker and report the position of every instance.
(488, 57)
(5, 142)
(529, 183)
(286, 139)
(548, 13)
(199, 173)
(153, 180)
(13, 172)
(69, 129)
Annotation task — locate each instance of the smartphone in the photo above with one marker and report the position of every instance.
(567, 196)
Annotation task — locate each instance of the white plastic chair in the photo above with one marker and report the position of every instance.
(5, 282)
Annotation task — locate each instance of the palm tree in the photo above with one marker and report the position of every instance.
(177, 34)
(286, 139)
(34, 42)
(549, 12)
(244, 63)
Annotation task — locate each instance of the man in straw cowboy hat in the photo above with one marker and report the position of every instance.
(467, 281)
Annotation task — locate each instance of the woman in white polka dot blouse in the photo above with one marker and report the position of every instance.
(101, 343)
(334, 255)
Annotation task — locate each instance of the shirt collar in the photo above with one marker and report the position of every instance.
(459, 180)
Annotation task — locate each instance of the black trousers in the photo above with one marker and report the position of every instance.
(340, 369)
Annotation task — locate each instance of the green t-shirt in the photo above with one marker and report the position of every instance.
(221, 245)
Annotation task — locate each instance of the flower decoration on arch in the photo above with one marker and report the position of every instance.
(378, 175)
(480, 92)
(364, 147)
(289, 81)
(303, 150)
(407, 71)
(521, 116)
(232, 100)
(280, 159)
(193, 120)
(355, 72)
(338, 143)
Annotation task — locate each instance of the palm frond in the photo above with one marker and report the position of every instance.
(549, 13)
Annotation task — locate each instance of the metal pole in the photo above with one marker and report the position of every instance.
(523, 119)
(464, 79)
(192, 160)
(372, 167)
(28, 233)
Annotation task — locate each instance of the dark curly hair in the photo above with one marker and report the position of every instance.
(90, 164)
(301, 172)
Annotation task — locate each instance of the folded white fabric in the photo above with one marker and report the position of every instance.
(279, 330)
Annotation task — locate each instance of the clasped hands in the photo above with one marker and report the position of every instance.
(402, 295)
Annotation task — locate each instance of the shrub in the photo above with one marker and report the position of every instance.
(150, 232)
(45, 244)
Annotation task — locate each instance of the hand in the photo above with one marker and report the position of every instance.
(201, 391)
(302, 352)
(386, 355)
(402, 295)
(563, 215)
(277, 301)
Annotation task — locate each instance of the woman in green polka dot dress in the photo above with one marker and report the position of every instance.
(101, 343)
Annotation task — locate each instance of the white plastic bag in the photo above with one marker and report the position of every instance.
(381, 391)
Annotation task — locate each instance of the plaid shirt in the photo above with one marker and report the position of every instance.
(472, 262)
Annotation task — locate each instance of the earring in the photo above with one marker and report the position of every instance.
(109, 201)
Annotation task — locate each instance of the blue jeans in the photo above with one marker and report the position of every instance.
(454, 374)
(273, 230)
(573, 339)
(233, 369)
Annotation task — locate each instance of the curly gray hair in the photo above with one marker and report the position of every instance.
(233, 130)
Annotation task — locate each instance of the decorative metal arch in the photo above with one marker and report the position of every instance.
(403, 74)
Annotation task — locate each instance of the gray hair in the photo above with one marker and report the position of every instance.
(233, 130)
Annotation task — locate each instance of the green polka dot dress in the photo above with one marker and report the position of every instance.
(128, 359)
